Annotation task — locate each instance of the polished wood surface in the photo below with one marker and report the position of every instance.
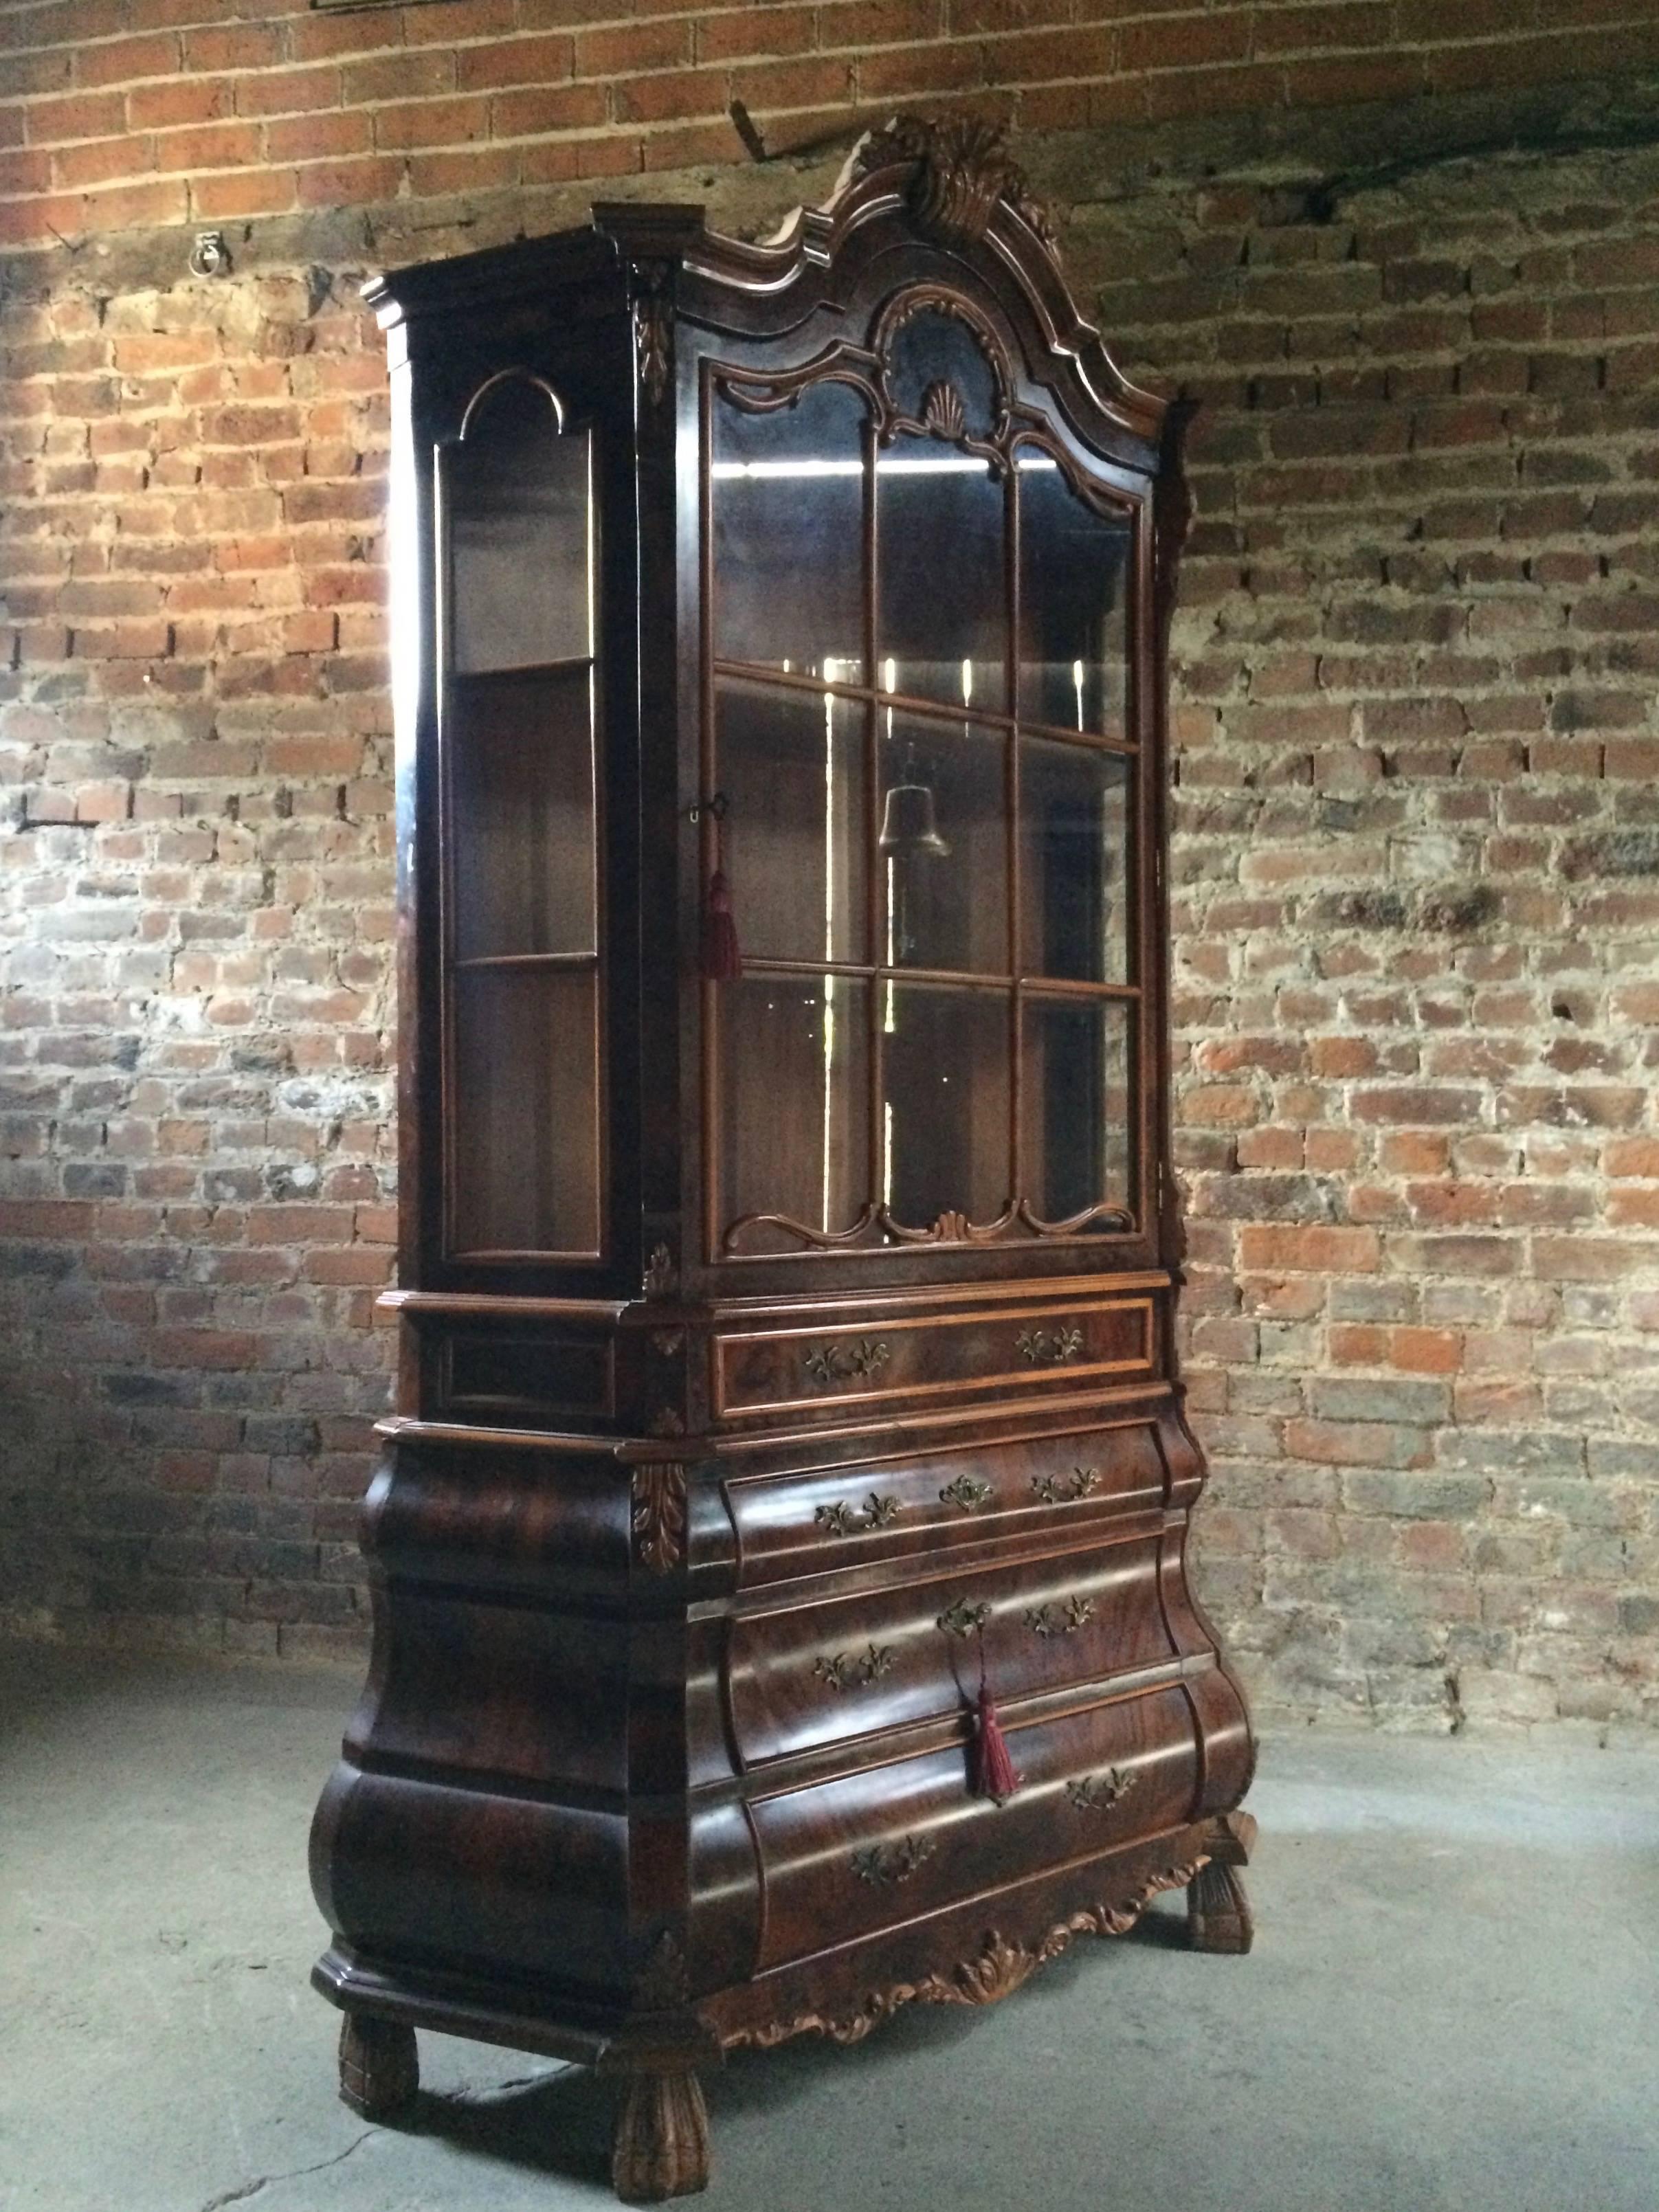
(785, 1357)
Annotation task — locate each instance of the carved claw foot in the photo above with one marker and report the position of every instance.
(1218, 1910)
(379, 2066)
(661, 2148)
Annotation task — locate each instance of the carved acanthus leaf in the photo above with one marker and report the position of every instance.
(963, 169)
(659, 1517)
(662, 1981)
(654, 329)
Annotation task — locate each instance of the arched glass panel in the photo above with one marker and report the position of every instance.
(518, 729)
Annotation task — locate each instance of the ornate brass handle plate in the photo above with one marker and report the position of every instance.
(1060, 1620)
(1080, 1483)
(877, 1511)
(1098, 1793)
(963, 1618)
(1050, 1347)
(841, 1671)
(891, 1862)
(847, 1363)
(967, 1491)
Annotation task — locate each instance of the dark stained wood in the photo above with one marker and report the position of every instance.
(379, 2066)
(693, 1536)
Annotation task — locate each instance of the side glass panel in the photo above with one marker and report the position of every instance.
(526, 1109)
(517, 737)
(795, 837)
(1075, 1105)
(522, 801)
(787, 495)
(516, 500)
(942, 846)
(944, 1104)
(1073, 588)
(796, 1125)
(1073, 881)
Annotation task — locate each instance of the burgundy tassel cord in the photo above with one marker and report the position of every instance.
(720, 957)
(993, 1770)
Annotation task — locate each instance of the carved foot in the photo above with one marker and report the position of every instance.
(380, 2066)
(1218, 1910)
(661, 2148)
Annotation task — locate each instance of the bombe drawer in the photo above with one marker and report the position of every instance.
(802, 1677)
(866, 1362)
(897, 1841)
(826, 1519)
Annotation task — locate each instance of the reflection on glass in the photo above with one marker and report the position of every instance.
(942, 605)
(787, 491)
(521, 791)
(943, 844)
(517, 513)
(932, 349)
(523, 1140)
(793, 838)
(1075, 1103)
(945, 1105)
(796, 1107)
(1073, 586)
(1074, 803)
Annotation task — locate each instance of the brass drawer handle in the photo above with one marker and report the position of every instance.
(1050, 1347)
(889, 1863)
(843, 1363)
(1098, 1793)
(1060, 1620)
(841, 1520)
(1080, 1483)
(967, 1491)
(841, 1671)
(963, 1618)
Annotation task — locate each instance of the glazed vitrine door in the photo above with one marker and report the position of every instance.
(921, 721)
(518, 747)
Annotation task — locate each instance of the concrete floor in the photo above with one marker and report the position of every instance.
(1450, 2005)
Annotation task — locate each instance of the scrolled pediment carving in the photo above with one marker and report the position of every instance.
(962, 168)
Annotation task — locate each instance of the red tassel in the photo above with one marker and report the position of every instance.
(721, 960)
(993, 1771)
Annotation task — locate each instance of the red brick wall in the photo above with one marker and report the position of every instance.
(1418, 863)
(127, 113)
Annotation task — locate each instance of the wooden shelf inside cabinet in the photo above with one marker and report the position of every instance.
(782, 1611)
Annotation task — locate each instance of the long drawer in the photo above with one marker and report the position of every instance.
(807, 1675)
(872, 1849)
(822, 1520)
(859, 1362)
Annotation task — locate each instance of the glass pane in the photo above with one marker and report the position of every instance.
(1073, 814)
(788, 517)
(943, 844)
(944, 1137)
(525, 1139)
(939, 544)
(1075, 1106)
(517, 509)
(794, 839)
(1074, 585)
(932, 350)
(795, 1113)
(521, 751)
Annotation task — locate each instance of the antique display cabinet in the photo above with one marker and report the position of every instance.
(781, 1613)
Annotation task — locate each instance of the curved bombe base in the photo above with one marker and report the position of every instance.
(660, 2141)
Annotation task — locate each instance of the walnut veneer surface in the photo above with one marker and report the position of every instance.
(702, 1524)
